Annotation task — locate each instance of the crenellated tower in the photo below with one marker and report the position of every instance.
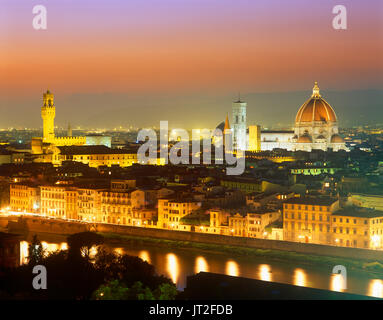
(48, 113)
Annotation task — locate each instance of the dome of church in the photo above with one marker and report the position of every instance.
(336, 138)
(316, 109)
(304, 139)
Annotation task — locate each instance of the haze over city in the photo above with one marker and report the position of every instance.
(139, 62)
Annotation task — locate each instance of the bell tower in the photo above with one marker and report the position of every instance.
(48, 112)
(239, 124)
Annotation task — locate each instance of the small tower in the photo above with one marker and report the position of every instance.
(48, 113)
(239, 124)
(69, 130)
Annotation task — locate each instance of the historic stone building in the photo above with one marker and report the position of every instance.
(316, 125)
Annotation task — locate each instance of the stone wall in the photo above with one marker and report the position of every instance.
(29, 224)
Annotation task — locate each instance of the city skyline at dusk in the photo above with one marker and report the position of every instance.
(190, 154)
(111, 62)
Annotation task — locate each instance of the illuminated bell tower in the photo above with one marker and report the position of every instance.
(239, 124)
(48, 112)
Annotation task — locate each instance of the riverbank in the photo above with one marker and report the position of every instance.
(374, 268)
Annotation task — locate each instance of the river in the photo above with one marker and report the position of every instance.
(177, 264)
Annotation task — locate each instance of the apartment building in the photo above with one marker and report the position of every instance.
(24, 197)
(308, 219)
(170, 211)
(357, 227)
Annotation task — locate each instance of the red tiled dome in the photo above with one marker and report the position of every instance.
(316, 109)
(304, 139)
(337, 139)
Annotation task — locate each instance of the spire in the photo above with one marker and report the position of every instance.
(316, 93)
(227, 125)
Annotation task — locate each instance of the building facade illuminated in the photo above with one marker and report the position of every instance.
(239, 124)
(316, 127)
(48, 114)
(323, 221)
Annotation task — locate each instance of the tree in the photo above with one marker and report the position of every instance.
(116, 290)
(36, 251)
(165, 291)
(80, 244)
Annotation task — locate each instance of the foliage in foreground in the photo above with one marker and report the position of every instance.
(114, 290)
(74, 274)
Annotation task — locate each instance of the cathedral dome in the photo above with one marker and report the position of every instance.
(304, 139)
(336, 138)
(316, 109)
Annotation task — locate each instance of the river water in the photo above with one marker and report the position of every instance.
(177, 264)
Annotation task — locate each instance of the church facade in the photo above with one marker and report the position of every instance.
(316, 127)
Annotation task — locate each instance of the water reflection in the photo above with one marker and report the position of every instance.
(232, 268)
(144, 255)
(177, 265)
(172, 266)
(49, 247)
(23, 252)
(300, 277)
(118, 251)
(93, 251)
(201, 265)
(336, 283)
(376, 288)
(265, 272)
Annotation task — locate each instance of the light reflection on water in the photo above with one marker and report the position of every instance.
(144, 255)
(232, 268)
(265, 272)
(177, 265)
(201, 265)
(376, 288)
(336, 283)
(172, 266)
(118, 251)
(300, 277)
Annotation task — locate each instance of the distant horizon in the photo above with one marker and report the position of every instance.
(268, 109)
(120, 63)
